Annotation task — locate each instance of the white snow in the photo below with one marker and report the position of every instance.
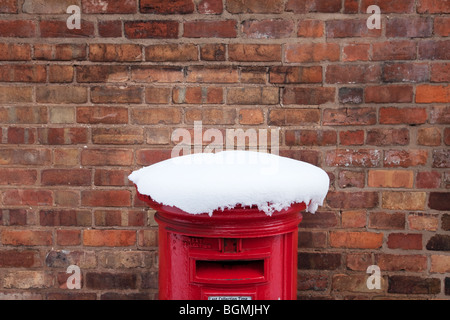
(204, 182)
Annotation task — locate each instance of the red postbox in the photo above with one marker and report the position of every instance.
(235, 254)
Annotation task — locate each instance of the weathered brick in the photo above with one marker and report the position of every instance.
(58, 29)
(108, 6)
(210, 7)
(440, 72)
(441, 26)
(319, 261)
(17, 176)
(351, 73)
(171, 52)
(62, 136)
(349, 116)
(429, 136)
(213, 52)
(66, 177)
(111, 177)
(384, 220)
(106, 157)
(441, 158)
(309, 28)
(306, 6)
(405, 72)
(251, 95)
(421, 221)
(212, 74)
(310, 137)
(157, 74)
(411, 27)
(350, 28)
(18, 258)
(28, 157)
(60, 74)
(166, 115)
(409, 241)
(386, 137)
(405, 158)
(110, 29)
(440, 264)
(30, 197)
(439, 201)
(106, 115)
(351, 179)
(394, 50)
(9, 6)
(12, 94)
(356, 52)
(402, 200)
(393, 262)
(409, 115)
(61, 94)
(167, 7)
(47, 7)
(105, 198)
(254, 52)
(295, 74)
(22, 73)
(109, 238)
(198, 95)
(17, 28)
(439, 242)
(157, 95)
(26, 237)
(353, 158)
(116, 94)
(288, 117)
(434, 50)
(62, 52)
(389, 6)
(102, 73)
(413, 285)
(15, 52)
(211, 115)
(433, 6)
(308, 96)
(268, 29)
(432, 93)
(21, 279)
(118, 136)
(351, 138)
(109, 52)
(65, 218)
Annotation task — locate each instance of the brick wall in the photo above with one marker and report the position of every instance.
(80, 109)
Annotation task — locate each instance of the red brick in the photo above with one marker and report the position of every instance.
(211, 116)
(310, 28)
(302, 6)
(440, 72)
(349, 116)
(167, 7)
(65, 218)
(210, 7)
(102, 73)
(210, 29)
(394, 50)
(429, 136)
(411, 27)
(442, 26)
(153, 29)
(62, 136)
(356, 52)
(110, 29)
(393, 115)
(310, 137)
(106, 157)
(115, 52)
(105, 198)
(114, 177)
(351, 138)
(255, 6)
(447, 136)
(312, 52)
(21, 135)
(68, 237)
(110, 94)
(428, 180)
(108, 6)
(109, 238)
(118, 136)
(389, 6)
(166, 74)
(440, 201)
(148, 157)
(106, 115)
(22, 73)
(351, 179)
(60, 74)
(390, 179)
(405, 241)
(165, 115)
(405, 158)
(434, 50)
(66, 177)
(402, 262)
(280, 117)
(432, 93)
(15, 52)
(17, 176)
(389, 94)
(58, 29)
(268, 29)
(26, 237)
(28, 197)
(386, 137)
(351, 95)
(433, 6)
(251, 116)
(308, 96)
(360, 239)
(18, 258)
(295, 74)
(413, 285)
(171, 52)
(23, 115)
(28, 157)
(17, 28)
(352, 73)
(384, 220)
(350, 29)
(353, 158)
(406, 72)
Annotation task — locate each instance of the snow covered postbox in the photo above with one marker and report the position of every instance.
(228, 222)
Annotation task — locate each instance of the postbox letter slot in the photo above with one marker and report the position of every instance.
(214, 271)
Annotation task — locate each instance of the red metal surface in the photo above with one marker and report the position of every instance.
(239, 253)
